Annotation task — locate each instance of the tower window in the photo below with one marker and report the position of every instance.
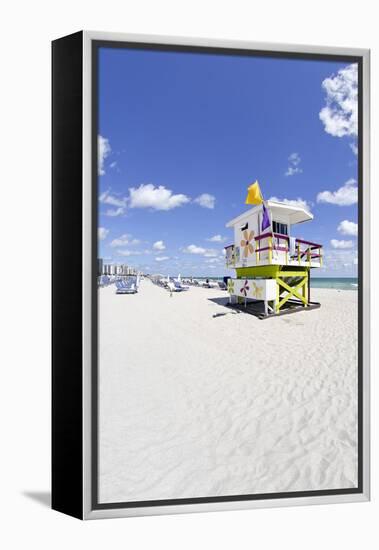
(281, 228)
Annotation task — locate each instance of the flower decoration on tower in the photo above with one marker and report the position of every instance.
(246, 242)
(257, 290)
(245, 289)
(230, 286)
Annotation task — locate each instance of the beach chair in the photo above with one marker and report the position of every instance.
(174, 286)
(131, 284)
(125, 287)
(180, 286)
(213, 284)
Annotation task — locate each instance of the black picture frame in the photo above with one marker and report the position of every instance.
(72, 438)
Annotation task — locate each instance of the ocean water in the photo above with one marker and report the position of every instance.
(340, 283)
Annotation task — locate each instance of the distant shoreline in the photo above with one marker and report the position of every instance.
(337, 283)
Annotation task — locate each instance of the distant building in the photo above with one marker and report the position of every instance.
(109, 269)
(112, 269)
(100, 266)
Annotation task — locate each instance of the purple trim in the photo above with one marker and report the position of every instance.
(269, 234)
(313, 245)
(264, 236)
(280, 248)
(295, 257)
(281, 236)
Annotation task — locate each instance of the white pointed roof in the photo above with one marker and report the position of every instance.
(296, 214)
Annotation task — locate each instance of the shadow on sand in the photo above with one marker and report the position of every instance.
(41, 497)
(219, 301)
(222, 302)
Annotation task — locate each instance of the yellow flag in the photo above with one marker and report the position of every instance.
(254, 195)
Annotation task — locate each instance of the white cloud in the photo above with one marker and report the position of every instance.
(193, 249)
(292, 170)
(159, 245)
(124, 240)
(338, 260)
(118, 202)
(340, 115)
(354, 148)
(112, 200)
(103, 150)
(348, 228)
(293, 165)
(158, 198)
(161, 258)
(301, 203)
(213, 260)
(114, 212)
(129, 252)
(294, 159)
(199, 250)
(344, 196)
(205, 200)
(102, 233)
(216, 239)
(211, 253)
(341, 244)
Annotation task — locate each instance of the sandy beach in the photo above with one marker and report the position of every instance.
(199, 400)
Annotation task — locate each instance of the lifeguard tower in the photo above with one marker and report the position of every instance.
(272, 265)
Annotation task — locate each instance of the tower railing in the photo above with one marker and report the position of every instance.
(303, 253)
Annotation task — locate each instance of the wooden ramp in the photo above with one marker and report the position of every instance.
(257, 308)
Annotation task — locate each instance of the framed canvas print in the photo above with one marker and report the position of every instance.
(210, 275)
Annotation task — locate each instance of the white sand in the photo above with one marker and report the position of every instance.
(195, 405)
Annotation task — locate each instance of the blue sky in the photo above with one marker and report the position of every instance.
(182, 135)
